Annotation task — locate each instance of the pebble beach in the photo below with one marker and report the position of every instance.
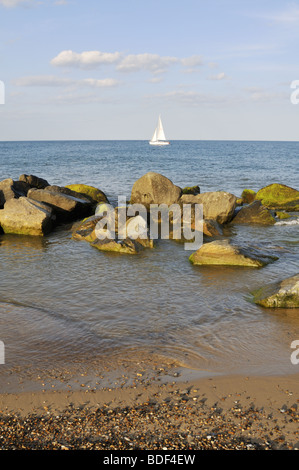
(175, 413)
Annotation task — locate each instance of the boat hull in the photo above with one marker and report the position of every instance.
(159, 142)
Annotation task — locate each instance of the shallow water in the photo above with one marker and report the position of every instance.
(63, 302)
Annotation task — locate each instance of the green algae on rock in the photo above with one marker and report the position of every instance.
(248, 196)
(191, 190)
(91, 192)
(127, 246)
(279, 196)
(282, 215)
(223, 253)
(284, 294)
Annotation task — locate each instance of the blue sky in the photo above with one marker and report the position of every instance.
(90, 69)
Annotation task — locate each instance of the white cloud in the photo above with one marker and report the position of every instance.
(87, 59)
(12, 3)
(151, 62)
(219, 76)
(52, 81)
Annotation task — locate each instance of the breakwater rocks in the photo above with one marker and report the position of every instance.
(33, 206)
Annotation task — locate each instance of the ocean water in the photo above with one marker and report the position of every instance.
(64, 304)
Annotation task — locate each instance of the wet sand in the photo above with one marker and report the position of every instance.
(177, 411)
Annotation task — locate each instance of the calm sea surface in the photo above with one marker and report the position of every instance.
(62, 302)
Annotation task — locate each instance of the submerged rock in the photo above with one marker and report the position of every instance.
(223, 253)
(24, 216)
(85, 230)
(217, 205)
(280, 197)
(153, 188)
(126, 246)
(282, 215)
(254, 213)
(280, 295)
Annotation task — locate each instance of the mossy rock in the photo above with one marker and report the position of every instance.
(279, 295)
(92, 193)
(248, 196)
(127, 246)
(279, 196)
(191, 190)
(223, 253)
(282, 215)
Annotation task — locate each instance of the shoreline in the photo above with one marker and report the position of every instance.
(216, 412)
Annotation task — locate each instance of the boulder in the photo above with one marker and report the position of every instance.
(248, 196)
(223, 253)
(254, 213)
(279, 197)
(10, 189)
(24, 216)
(217, 205)
(92, 193)
(153, 188)
(66, 206)
(34, 181)
(284, 294)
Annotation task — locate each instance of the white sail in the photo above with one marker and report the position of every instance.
(154, 138)
(160, 130)
(159, 135)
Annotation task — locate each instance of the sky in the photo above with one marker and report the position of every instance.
(95, 70)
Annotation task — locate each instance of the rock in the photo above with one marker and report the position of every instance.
(126, 246)
(248, 196)
(217, 205)
(10, 189)
(194, 190)
(92, 193)
(24, 216)
(153, 188)
(66, 206)
(254, 213)
(211, 228)
(280, 295)
(34, 181)
(222, 253)
(282, 215)
(85, 230)
(280, 197)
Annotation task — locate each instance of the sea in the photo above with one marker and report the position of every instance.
(67, 308)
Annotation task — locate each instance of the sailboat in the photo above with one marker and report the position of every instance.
(159, 136)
